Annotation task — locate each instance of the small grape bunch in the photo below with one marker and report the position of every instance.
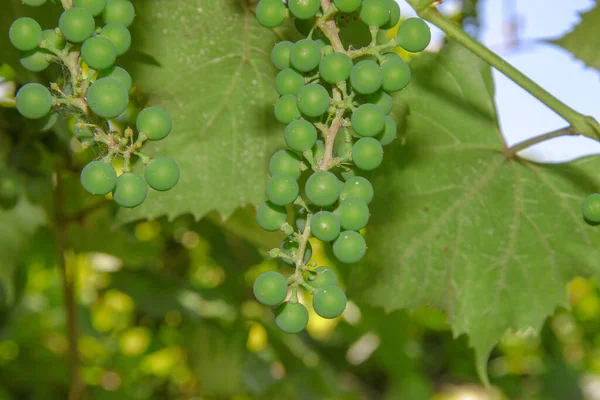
(336, 104)
(89, 38)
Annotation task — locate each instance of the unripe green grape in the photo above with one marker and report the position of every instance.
(107, 98)
(35, 60)
(388, 134)
(300, 135)
(98, 52)
(329, 301)
(25, 34)
(286, 109)
(34, 3)
(285, 162)
(291, 317)
(349, 247)
(305, 55)
(325, 226)
(94, 7)
(375, 12)
(357, 187)
(76, 24)
(291, 247)
(120, 11)
(323, 276)
(347, 6)
(335, 67)
(281, 53)
(414, 35)
(119, 35)
(54, 39)
(394, 14)
(34, 101)
(119, 74)
(10, 189)
(322, 188)
(270, 13)
(288, 81)
(130, 191)
(85, 134)
(98, 178)
(353, 214)
(130, 114)
(313, 100)
(303, 9)
(344, 149)
(318, 151)
(162, 173)
(366, 77)
(301, 215)
(47, 122)
(270, 288)
(368, 120)
(154, 122)
(271, 217)
(367, 154)
(282, 189)
(382, 100)
(591, 208)
(396, 73)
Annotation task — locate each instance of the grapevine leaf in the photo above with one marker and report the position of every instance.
(583, 41)
(492, 241)
(220, 93)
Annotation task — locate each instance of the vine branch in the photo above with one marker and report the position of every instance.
(513, 150)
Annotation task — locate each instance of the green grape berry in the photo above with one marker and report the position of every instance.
(353, 214)
(270, 288)
(271, 217)
(25, 34)
(313, 100)
(382, 100)
(34, 101)
(76, 24)
(154, 122)
(108, 98)
(162, 173)
(335, 68)
(349, 247)
(291, 317)
(119, 35)
(323, 276)
(304, 9)
(591, 208)
(98, 178)
(359, 188)
(318, 151)
(270, 13)
(94, 7)
(347, 6)
(34, 3)
(367, 154)
(121, 11)
(388, 134)
(54, 39)
(119, 74)
(36, 60)
(366, 77)
(344, 149)
(414, 35)
(368, 120)
(305, 55)
(288, 81)
(130, 191)
(282, 189)
(300, 135)
(396, 73)
(322, 188)
(281, 53)
(98, 52)
(325, 226)
(286, 109)
(329, 301)
(84, 133)
(394, 14)
(375, 12)
(285, 162)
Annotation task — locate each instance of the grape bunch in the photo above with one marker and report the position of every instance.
(90, 36)
(336, 104)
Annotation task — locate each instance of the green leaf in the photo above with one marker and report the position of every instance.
(584, 40)
(492, 241)
(217, 83)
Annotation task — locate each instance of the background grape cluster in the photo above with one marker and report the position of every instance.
(336, 104)
(89, 38)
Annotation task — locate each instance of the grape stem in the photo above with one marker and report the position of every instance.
(512, 151)
(579, 123)
(329, 27)
(67, 4)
